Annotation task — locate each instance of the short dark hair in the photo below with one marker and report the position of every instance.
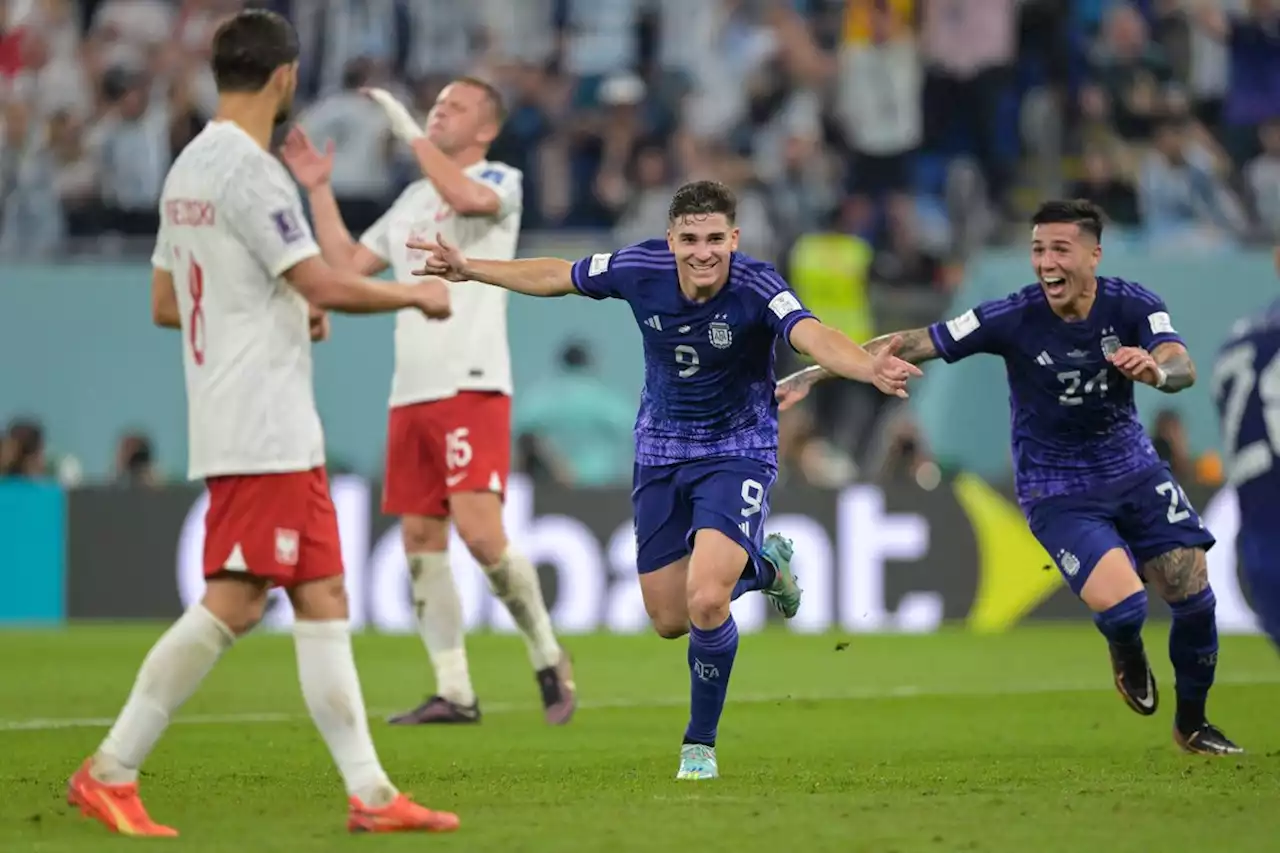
(249, 47)
(491, 92)
(703, 198)
(1084, 214)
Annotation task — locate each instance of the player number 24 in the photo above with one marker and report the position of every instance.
(1073, 394)
(1238, 368)
(1179, 505)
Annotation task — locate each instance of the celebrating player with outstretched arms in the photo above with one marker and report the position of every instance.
(707, 429)
(1094, 492)
(237, 270)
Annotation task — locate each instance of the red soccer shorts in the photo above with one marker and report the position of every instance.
(281, 527)
(442, 447)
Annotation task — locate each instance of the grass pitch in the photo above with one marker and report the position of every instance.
(945, 742)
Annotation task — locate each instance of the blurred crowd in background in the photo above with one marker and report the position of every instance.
(874, 144)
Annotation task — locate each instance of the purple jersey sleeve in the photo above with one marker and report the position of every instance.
(984, 329)
(598, 276)
(610, 275)
(781, 309)
(1149, 315)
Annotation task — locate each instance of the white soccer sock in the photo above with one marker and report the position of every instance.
(331, 688)
(514, 581)
(439, 611)
(171, 672)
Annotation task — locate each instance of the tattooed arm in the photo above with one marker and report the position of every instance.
(1168, 368)
(917, 347)
(1174, 363)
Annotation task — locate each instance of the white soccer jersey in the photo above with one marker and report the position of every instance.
(231, 225)
(436, 359)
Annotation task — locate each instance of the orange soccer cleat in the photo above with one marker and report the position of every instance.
(117, 807)
(400, 815)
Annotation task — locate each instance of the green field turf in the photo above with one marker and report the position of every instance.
(921, 743)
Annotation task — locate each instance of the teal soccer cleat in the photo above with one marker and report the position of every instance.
(784, 593)
(697, 762)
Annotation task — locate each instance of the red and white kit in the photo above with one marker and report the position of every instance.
(231, 224)
(449, 428)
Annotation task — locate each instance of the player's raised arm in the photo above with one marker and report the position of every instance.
(530, 276)
(913, 346)
(490, 195)
(313, 169)
(838, 355)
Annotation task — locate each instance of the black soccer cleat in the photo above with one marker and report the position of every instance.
(438, 710)
(1205, 739)
(559, 695)
(1134, 679)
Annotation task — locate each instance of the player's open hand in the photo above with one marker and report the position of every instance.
(1136, 364)
(309, 167)
(431, 297)
(443, 258)
(890, 373)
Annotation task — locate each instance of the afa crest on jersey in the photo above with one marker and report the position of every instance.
(721, 335)
(1110, 343)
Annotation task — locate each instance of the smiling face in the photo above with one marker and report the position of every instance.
(1065, 258)
(702, 235)
(702, 244)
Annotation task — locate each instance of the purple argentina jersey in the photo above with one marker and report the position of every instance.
(708, 367)
(1246, 388)
(1074, 423)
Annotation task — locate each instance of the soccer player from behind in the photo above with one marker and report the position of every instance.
(1088, 479)
(449, 428)
(707, 429)
(236, 269)
(1246, 388)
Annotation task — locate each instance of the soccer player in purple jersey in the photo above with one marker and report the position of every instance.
(1246, 388)
(1094, 492)
(707, 429)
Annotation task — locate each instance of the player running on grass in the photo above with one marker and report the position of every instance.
(1246, 388)
(707, 429)
(235, 269)
(1095, 494)
(449, 429)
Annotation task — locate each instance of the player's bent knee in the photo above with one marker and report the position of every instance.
(424, 535)
(1112, 580)
(709, 604)
(238, 601)
(320, 600)
(478, 517)
(669, 629)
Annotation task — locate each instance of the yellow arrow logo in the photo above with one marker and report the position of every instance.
(1011, 580)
